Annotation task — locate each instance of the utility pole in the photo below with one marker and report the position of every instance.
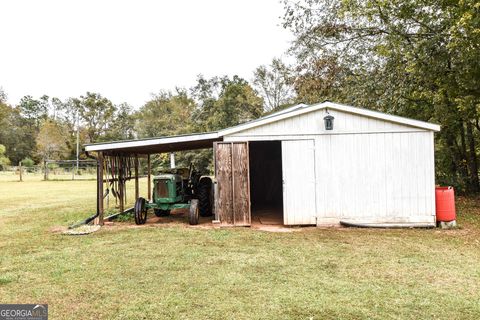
(78, 138)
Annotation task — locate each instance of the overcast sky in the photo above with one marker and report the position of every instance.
(127, 50)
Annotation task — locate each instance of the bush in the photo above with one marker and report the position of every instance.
(4, 161)
(52, 166)
(27, 162)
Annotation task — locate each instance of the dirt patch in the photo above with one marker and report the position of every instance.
(179, 218)
(82, 230)
(58, 229)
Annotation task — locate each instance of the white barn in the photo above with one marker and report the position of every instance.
(370, 167)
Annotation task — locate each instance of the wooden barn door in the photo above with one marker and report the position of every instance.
(298, 168)
(233, 180)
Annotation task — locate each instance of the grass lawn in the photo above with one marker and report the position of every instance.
(174, 271)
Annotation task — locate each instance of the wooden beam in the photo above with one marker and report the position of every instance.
(233, 182)
(149, 174)
(99, 219)
(137, 190)
(121, 184)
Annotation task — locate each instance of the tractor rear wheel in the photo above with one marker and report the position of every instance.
(204, 194)
(193, 213)
(140, 211)
(161, 213)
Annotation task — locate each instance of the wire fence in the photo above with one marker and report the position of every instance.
(52, 170)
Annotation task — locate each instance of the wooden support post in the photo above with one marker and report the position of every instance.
(172, 160)
(45, 168)
(149, 172)
(21, 170)
(137, 191)
(121, 185)
(99, 218)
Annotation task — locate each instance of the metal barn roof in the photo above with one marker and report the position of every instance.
(159, 144)
(206, 140)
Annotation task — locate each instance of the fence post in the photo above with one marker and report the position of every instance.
(20, 168)
(45, 170)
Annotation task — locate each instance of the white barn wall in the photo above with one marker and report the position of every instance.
(380, 177)
(366, 169)
(312, 124)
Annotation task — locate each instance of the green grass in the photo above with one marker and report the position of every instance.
(11, 176)
(174, 271)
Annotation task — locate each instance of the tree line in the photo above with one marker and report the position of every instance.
(416, 58)
(37, 129)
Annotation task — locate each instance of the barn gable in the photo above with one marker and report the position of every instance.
(312, 124)
(308, 120)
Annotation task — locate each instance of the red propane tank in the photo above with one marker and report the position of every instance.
(445, 203)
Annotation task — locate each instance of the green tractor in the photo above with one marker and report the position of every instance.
(180, 188)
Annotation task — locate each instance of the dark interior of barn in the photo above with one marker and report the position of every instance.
(266, 181)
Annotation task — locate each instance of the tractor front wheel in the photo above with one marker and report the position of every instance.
(140, 211)
(193, 214)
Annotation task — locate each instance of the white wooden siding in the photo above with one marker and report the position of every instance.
(298, 166)
(375, 177)
(312, 124)
(366, 169)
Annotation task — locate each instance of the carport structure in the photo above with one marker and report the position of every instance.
(126, 154)
(314, 164)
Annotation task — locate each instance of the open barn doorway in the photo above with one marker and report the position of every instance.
(265, 160)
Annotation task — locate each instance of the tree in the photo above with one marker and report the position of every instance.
(96, 113)
(274, 82)
(56, 107)
(419, 59)
(4, 161)
(68, 113)
(123, 127)
(3, 96)
(224, 102)
(33, 110)
(238, 103)
(206, 93)
(221, 102)
(165, 114)
(17, 133)
(51, 141)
